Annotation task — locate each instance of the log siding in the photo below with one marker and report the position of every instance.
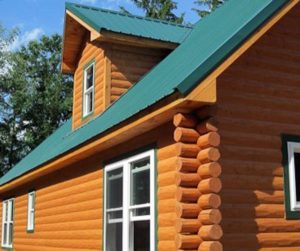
(69, 202)
(92, 51)
(129, 64)
(258, 100)
(117, 68)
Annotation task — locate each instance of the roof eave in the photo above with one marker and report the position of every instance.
(152, 117)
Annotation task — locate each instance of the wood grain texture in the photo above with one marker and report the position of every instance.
(91, 51)
(129, 64)
(69, 202)
(258, 99)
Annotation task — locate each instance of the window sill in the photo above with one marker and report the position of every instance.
(7, 248)
(87, 116)
(292, 215)
(31, 231)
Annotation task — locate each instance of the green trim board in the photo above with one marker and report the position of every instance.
(101, 19)
(285, 138)
(209, 43)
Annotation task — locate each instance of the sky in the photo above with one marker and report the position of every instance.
(38, 17)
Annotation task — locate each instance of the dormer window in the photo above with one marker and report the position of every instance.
(88, 89)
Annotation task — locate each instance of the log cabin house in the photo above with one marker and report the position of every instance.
(182, 138)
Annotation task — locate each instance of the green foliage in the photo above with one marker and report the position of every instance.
(159, 9)
(207, 6)
(35, 98)
(6, 38)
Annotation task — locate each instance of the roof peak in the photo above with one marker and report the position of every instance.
(67, 4)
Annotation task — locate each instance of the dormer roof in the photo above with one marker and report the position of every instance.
(101, 19)
(106, 25)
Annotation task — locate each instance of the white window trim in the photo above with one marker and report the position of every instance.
(86, 91)
(9, 202)
(293, 147)
(127, 244)
(30, 225)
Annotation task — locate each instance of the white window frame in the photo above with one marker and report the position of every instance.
(293, 147)
(128, 218)
(86, 92)
(9, 205)
(31, 211)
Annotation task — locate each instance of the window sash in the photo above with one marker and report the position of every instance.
(7, 223)
(31, 211)
(293, 147)
(128, 218)
(88, 91)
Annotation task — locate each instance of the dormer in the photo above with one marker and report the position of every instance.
(108, 52)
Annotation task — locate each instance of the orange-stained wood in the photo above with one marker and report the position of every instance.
(69, 202)
(257, 102)
(129, 64)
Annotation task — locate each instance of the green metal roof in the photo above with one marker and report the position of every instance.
(210, 42)
(130, 24)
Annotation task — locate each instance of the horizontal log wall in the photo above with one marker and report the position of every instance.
(129, 64)
(91, 51)
(258, 99)
(118, 67)
(69, 202)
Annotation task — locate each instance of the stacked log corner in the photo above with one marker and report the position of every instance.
(198, 184)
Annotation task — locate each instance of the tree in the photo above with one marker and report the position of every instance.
(159, 9)
(37, 98)
(207, 6)
(7, 126)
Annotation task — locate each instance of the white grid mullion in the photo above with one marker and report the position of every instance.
(6, 220)
(126, 204)
(152, 201)
(115, 166)
(128, 227)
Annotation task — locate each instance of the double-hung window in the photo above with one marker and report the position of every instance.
(129, 205)
(291, 162)
(7, 223)
(88, 89)
(30, 211)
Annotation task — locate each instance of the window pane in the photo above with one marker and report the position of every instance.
(140, 182)
(115, 215)
(11, 210)
(141, 236)
(30, 221)
(297, 175)
(114, 189)
(10, 236)
(89, 76)
(31, 201)
(4, 233)
(114, 237)
(90, 102)
(141, 211)
(5, 211)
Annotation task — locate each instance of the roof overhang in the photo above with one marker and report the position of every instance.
(143, 122)
(77, 32)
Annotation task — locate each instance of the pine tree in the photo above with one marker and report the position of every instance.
(35, 98)
(207, 6)
(159, 9)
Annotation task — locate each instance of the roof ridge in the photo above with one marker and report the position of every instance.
(130, 15)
